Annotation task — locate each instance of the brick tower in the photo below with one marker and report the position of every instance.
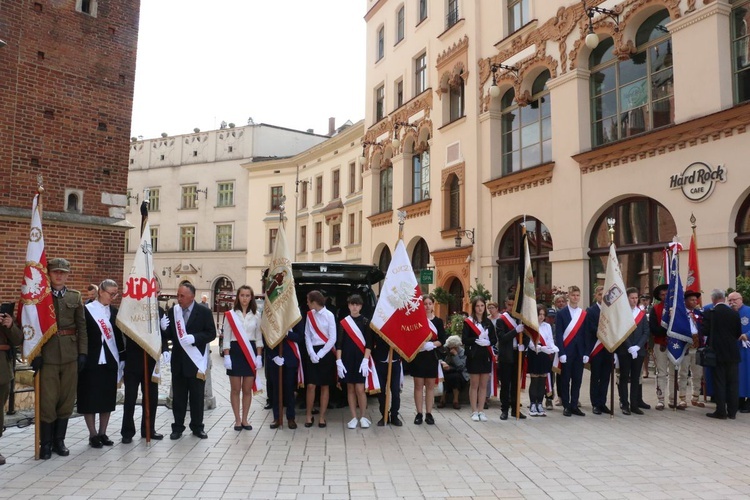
(66, 93)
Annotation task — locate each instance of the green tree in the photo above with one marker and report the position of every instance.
(478, 291)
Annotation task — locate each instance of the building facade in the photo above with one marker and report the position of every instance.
(482, 115)
(66, 94)
(201, 202)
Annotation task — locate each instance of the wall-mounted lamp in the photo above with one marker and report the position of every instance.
(469, 233)
(396, 141)
(204, 191)
(131, 197)
(592, 39)
(362, 158)
(494, 89)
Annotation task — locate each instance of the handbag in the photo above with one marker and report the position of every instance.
(706, 357)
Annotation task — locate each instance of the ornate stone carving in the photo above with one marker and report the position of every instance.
(520, 181)
(417, 209)
(457, 169)
(458, 49)
(381, 219)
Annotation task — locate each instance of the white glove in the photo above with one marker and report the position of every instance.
(166, 357)
(519, 328)
(563, 358)
(188, 339)
(746, 344)
(428, 346)
(314, 358)
(482, 342)
(521, 348)
(548, 350)
(340, 368)
(279, 360)
(258, 362)
(164, 323)
(364, 367)
(322, 353)
(227, 362)
(120, 371)
(634, 351)
(585, 359)
(617, 361)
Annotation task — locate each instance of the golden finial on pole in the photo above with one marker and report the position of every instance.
(692, 221)
(611, 230)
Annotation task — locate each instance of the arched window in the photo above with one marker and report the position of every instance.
(540, 245)
(72, 203)
(527, 130)
(420, 258)
(456, 291)
(456, 97)
(454, 208)
(643, 228)
(420, 175)
(741, 49)
(386, 188)
(635, 95)
(743, 239)
(385, 259)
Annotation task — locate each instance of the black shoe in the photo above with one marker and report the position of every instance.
(548, 403)
(504, 415)
(716, 414)
(175, 435)
(59, 447)
(577, 411)
(268, 406)
(732, 417)
(521, 416)
(95, 442)
(636, 411)
(127, 440)
(605, 409)
(418, 419)
(105, 440)
(625, 409)
(154, 435)
(58, 443)
(596, 410)
(275, 424)
(291, 423)
(486, 405)
(238, 428)
(247, 427)
(310, 423)
(428, 419)
(200, 434)
(745, 410)
(380, 423)
(45, 451)
(644, 406)
(567, 412)
(395, 421)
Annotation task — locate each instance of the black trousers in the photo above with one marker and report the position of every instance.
(508, 375)
(536, 389)
(289, 381)
(187, 390)
(570, 381)
(727, 388)
(133, 382)
(382, 369)
(601, 369)
(630, 372)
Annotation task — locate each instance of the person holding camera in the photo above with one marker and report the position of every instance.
(10, 337)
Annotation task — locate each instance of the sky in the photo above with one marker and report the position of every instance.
(290, 63)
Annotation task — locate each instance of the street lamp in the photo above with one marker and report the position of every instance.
(469, 233)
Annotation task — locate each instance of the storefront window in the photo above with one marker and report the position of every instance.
(743, 239)
(643, 228)
(741, 50)
(540, 245)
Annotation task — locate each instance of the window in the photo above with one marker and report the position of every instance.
(359, 227)
(420, 74)
(352, 229)
(352, 177)
(277, 192)
(225, 197)
(518, 14)
(154, 198)
(381, 44)
(189, 197)
(399, 93)
(335, 235)
(318, 235)
(400, 24)
(742, 227)
(272, 233)
(451, 17)
(379, 103)
(527, 130)
(422, 10)
(154, 239)
(741, 51)
(304, 185)
(420, 174)
(127, 241)
(635, 95)
(454, 204)
(303, 239)
(319, 190)
(87, 7)
(540, 246)
(386, 188)
(336, 184)
(223, 237)
(456, 101)
(420, 259)
(187, 238)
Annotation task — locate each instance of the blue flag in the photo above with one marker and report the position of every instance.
(675, 317)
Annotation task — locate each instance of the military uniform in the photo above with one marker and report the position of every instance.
(9, 338)
(62, 355)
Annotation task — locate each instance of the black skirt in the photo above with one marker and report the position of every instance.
(97, 389)
(240, 366)
(539, 363)
(424, 365)
(478, 359)
(352, 358)
(323, 372)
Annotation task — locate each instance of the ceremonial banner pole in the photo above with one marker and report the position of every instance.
(694, 283)
(37, 376)
(611, 231)
(146, 376)
(389, 377)
(282, 208)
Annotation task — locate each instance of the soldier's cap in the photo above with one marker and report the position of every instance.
(692, 293)
(551, 312)
(58, 265)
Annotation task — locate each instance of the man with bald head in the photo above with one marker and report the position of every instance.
(735, 302)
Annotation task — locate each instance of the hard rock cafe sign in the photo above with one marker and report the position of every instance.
(698, 180)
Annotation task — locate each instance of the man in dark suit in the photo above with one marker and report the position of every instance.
(723, 328)
(289, 360)
(631, 354)
(507, 329)
(600, 359)
(569, 338)
(188, 385)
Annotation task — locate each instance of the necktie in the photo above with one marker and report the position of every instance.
(185, 314)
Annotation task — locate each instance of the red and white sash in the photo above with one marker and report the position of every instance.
(96, 310)
(576, 321)
(638, 314)
(478, 333)
(511, 324)
(199, 359)
(238, 330)
(315, 327)
(598, 346)
(372, 385)
(300, 371)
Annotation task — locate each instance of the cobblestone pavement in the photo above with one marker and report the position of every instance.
(665, 454)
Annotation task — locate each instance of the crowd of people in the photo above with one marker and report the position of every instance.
(88, 356)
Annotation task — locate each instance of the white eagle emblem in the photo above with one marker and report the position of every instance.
(32, 286)
(402, 296)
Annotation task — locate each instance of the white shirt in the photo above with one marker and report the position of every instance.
(251, 325)
(327, 324)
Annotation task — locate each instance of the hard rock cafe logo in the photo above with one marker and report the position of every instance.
(35, 286)
(697, 181)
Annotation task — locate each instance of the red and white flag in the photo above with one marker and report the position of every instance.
(36, 311)
(400, 317)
